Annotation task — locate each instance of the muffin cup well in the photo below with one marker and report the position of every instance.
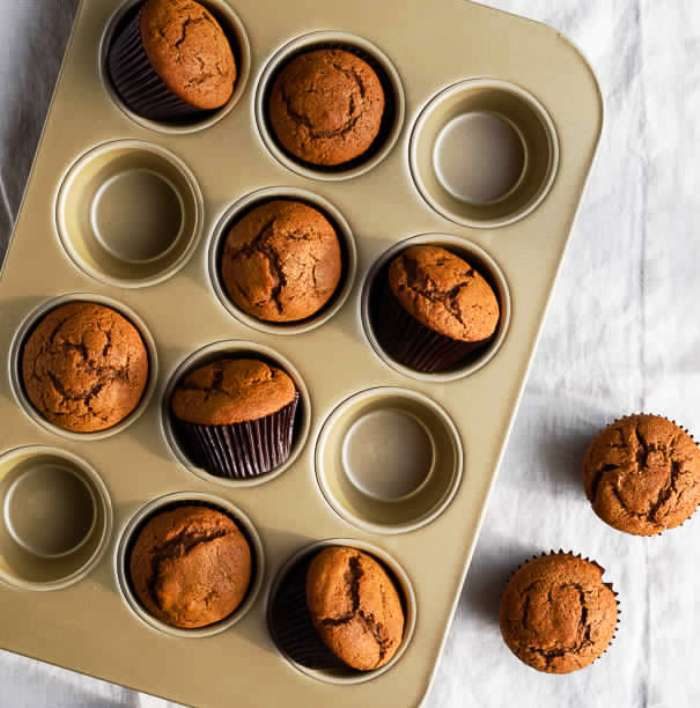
(413, 344)
(242, 450)
(138, 84)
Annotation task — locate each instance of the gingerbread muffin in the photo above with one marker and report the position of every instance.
(173, 60)
(432, 309)
(642, 475)
(236, 417)
(282, 262)
(84, 367)
(326, 107)
(190, 567)
(557, 615)
(355, 607)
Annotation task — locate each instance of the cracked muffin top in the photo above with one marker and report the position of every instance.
(326, 107)
(84, 367)
(189, 51)
(642, 475)
(355, 607)
(444, 293)
(190, 567)
(231, 391)
(282, 262)
(557, 615)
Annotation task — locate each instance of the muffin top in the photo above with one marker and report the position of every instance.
(326, 106)
(281, 262)
(232, 391)
(189, 51)
(444, 293)
(557, 614)
(642, 475)
(190, 567)
(84, 367)
(354, 607)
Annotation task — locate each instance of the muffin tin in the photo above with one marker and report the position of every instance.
(130, 213)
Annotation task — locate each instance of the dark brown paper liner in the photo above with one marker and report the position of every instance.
(291, 626)
(137, 83)
(562, 552)
(413, 344)
(243, 450)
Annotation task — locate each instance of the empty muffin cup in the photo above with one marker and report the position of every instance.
(389, 460)
(169, 503)
(129, 213)
(139, 90)
(56, 518)
(484, 153)
(422, 352)
(291, 626)
(323, 125)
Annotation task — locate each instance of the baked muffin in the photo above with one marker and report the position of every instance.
(642, 475)
(235, 417)
(557, 615)
(326, 107)
(432, 309)
(84, 367)
(281, 262)
(190, 567)
(172, 60)
(355, 607)
(338, 610)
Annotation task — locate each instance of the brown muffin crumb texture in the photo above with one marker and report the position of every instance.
(85, 367)
(444, 293)
(326, 106)
(190, 567)
(189, 51)
(232, 391)
(282, 262)
(557, 614)
(642, 475)
(355, 607)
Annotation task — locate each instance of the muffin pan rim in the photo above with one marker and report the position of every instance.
(446, 92)
(462, 245)
(260, 196)
(101, 496)
(206, 353)
(150, 508)
(406, 589)
(235, 26)
(72, 173)
(23, 331)
(438, 509)
(307, 41)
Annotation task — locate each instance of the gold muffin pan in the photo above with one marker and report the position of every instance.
(132, 213)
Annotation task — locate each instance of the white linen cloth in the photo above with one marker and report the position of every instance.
(622, 335)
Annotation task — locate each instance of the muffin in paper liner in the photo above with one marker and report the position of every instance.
(137, 83)
(291, 625)
(583, 610)
(665, 496)
(242, 450)
(409, 342)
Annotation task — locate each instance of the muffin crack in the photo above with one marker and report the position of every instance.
(316, 133)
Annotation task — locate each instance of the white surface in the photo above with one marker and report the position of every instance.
(623, 334)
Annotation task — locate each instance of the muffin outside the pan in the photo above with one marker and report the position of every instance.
(339, 609)
(190, 567)
(235, 418)
(282, 262)
(172, 61)
(557, 615)
(84, 367)
(326, 107)
(642, 475)
(433, 309)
